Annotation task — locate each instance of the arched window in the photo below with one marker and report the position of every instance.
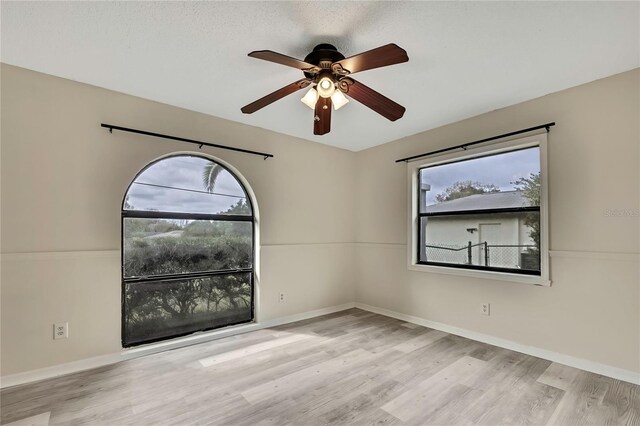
(187, 250)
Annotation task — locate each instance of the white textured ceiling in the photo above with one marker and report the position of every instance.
(465, 58)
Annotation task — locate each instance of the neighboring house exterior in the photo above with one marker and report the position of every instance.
(497, 239)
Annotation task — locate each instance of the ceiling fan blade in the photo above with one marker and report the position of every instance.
(281, 59)
(382, 56)
(322, 116)
(272, 97)
(372, 99)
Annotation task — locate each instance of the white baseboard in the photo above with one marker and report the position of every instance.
(103, 360)
(58, 370)
(306, 315)
(582, 364)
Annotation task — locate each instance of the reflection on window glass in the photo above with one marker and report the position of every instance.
(160, 309)
(171, 246)
(482, 212)
(497, 240)
(504, 173)
(187, 184)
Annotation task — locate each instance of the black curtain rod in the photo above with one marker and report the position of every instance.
(112, 127)
(464, 146)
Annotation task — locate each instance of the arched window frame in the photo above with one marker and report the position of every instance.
(185, 276)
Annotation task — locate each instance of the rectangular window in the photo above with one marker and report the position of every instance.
(155, 247)
(157, 309)
(184, 275)
(483, 210)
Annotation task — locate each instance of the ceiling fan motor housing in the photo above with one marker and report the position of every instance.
(323, 55)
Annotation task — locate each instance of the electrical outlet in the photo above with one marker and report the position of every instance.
(485, 309)
(281, 298)
(60, 330)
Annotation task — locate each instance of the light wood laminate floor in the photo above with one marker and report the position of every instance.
(352, 367)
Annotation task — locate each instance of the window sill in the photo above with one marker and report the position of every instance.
(188, 340)
(487, 275)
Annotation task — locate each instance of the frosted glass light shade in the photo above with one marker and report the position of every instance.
(310, 98)
(338, 99)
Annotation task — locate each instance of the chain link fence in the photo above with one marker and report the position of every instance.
(448, 253)
(485, 254)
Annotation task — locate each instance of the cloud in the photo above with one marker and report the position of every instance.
(499, 170)
(176, 179)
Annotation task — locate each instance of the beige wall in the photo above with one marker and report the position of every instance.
(63, 180)
(591, 311)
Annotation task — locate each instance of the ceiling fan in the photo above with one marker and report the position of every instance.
(328, 72)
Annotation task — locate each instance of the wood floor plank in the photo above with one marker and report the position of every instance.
(624, 398)
(409, 325)
(532, 403)
(305, 378)
(37, 420)
(583, 403)
(351, 410)
(435, 391)
(559, 376)
(420, 341)
(418, 365)
(350, 367)
(253, 349)
(504, 380)
(453, 412)
(485, 352)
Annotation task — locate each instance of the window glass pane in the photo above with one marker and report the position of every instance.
(496, 240)
(505, 180)
(172, 246)
(156, 310)
(187, 184)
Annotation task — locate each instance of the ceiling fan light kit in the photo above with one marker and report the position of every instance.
(338, 100)
(311, 98)
(327, 71)
(326, 86)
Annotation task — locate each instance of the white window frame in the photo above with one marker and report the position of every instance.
(539, 140)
